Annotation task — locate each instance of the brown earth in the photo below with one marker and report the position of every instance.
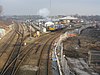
(4, 25)
(80, 45)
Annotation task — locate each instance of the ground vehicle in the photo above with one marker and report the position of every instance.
(55, 27)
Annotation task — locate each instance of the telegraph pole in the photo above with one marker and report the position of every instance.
(50, 10)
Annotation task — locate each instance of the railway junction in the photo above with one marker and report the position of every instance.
(61, 50)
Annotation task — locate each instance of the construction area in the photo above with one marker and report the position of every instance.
(85, 47)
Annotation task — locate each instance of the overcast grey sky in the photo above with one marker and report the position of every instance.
(66, 7)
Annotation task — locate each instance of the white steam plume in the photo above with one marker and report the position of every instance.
(43, 12)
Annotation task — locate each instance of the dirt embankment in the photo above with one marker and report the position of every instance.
(79, 46)
(4, 25)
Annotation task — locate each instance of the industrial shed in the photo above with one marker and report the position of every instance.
(49, 24)
(67, 19)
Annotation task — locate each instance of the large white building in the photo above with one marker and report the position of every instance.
(48, 24)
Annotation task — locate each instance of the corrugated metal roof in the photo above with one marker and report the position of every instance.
(69, 18)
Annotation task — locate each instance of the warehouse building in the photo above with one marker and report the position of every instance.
(67, 20)
(48, 24)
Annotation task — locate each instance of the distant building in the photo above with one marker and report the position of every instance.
(67, 20)
(55, 21)
(48, 24)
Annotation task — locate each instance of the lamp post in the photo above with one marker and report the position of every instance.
(30, 31)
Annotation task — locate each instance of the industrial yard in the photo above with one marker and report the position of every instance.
(49, 37)
(25, 52)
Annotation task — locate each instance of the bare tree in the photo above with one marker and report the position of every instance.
(1, 9)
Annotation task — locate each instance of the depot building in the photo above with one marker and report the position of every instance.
(67, 20)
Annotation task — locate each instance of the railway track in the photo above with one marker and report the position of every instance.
(27, 50)
(16, 60)
(10, 39)
(22, 55)
(17, 55)
(9, 66)
(44, 59)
